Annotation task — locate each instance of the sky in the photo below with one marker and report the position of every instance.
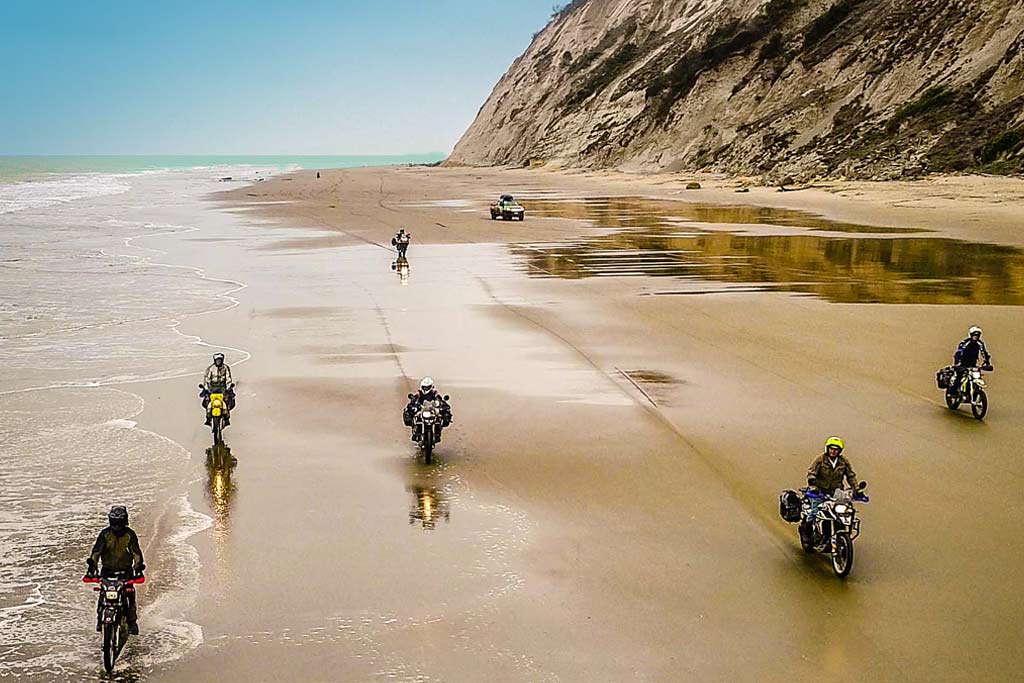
(255, 77)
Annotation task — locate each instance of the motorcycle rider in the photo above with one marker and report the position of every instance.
(427, 392)
(117, 548)
(401, 241)
(967, 354)
(217, 380)
(826, 474)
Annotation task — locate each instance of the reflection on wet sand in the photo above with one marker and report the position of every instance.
(401, 266)
(429, 504)
(220, 465)
(896, 270)
(631, 212)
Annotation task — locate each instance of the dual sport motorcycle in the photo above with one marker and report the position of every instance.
(971, 389)
(427, 424)
(834, 527)
(217, 410)
(113, 612)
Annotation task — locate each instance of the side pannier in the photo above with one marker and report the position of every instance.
(789, 506)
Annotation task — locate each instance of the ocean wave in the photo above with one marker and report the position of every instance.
(43, 193)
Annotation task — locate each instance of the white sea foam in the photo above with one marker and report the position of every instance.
(43, 193)
(87, 306)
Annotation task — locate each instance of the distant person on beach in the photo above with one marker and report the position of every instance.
(118, 551)
(218, 381)
(318, 175)
(401, 242)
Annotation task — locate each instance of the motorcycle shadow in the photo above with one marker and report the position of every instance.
(964, 413)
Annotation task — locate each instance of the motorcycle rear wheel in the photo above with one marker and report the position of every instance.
(842, 558)
(979, 406)
(952, 399)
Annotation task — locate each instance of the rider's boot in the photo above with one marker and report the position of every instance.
(133, 617)
(209, 420)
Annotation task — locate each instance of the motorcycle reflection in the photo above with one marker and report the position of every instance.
(401, 266)
(220, 464)
(428, 506)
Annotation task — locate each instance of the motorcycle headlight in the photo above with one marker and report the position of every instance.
(111, 595)
(427, 414)
(841, 509)
(975, 374)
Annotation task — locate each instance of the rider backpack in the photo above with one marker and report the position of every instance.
(789, 506)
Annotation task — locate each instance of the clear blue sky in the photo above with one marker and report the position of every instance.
(277, 77)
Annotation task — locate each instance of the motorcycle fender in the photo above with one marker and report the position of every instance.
(109, 616)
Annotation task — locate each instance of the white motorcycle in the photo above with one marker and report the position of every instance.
(835, 525)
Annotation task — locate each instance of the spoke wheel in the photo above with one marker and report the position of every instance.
(979, 406)
(842, 558)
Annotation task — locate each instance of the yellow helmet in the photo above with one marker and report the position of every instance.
(834, 441)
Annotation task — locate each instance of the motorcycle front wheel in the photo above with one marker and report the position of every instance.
(218, 431)
(952, 399)
(842, 558)
(428, 446)
(110, 646)
(979, 406)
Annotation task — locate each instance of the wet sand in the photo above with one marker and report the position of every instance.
(631, 393)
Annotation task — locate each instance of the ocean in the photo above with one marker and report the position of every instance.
(87, 313)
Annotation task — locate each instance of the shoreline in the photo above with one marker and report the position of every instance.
(973, 207)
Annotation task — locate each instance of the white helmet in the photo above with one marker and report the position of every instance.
(975, 330)
(427, 385)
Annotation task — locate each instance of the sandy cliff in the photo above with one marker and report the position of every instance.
(857, 88)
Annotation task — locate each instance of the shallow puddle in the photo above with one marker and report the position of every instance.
(630, 212)
(658, 238)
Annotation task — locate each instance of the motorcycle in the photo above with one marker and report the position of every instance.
(401, 244)
(428, 422)
(113, 612)
(217, 410)
(835, 526)
(971, 389)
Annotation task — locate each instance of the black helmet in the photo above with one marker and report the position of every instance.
(118, 516)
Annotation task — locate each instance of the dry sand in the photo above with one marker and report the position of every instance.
(605, 506)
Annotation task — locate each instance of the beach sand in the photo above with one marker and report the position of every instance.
(605, 506)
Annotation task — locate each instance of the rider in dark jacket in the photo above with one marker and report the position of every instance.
(969, 352)
(427, 392)
(401, 242)
(117, 549)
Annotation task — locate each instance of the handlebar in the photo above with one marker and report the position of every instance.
(141, 578)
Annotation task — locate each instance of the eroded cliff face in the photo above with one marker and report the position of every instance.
(805, 88)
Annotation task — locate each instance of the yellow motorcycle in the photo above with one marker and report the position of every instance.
(217, 412)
